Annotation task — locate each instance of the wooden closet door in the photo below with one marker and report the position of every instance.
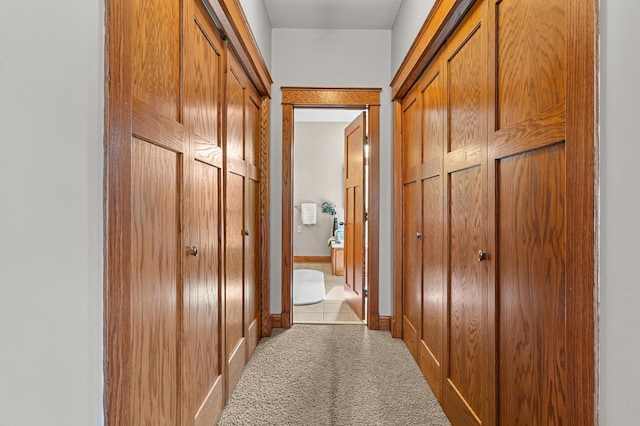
(466, 391)
(202, 360)
(433, 115)
(149, 379)
(253, 109)
(236, 352)
(411, 222)
(242, 297)
(536, 207)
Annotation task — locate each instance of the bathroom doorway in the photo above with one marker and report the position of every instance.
(324, 266)
(300, 99)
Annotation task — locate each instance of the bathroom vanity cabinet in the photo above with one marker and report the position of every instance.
(337, 259)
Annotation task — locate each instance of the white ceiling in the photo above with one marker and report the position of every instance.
(333, 14)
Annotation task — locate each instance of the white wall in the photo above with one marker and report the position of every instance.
(331, 58)
(411, 16)
(317, 177)
(51, 126)
(620, 213)
(258, 19)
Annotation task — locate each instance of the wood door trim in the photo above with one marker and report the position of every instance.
(312, 259)
(233, 22)
(439, 25)
(117, 207)
(352, 98)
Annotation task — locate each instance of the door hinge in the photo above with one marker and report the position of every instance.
(365, 292)
(366, 216)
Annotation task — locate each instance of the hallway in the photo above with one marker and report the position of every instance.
(332, 375)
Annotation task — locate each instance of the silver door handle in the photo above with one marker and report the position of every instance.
(418, 234)
(193, 250)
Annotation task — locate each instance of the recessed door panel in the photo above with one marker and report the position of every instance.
(155, 277)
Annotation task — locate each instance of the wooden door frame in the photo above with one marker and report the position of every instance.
(335, 98)
(582, 124)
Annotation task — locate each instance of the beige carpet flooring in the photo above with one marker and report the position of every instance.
(332, 375)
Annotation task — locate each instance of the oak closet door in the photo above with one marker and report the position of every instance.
(158, 154)
(411, 222)
(433, 117)
(535, 210)
(242, 297)
(236, 351)
(202, 360)
(253, 109)
(466, 390)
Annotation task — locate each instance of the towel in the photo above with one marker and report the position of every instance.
(308, 213)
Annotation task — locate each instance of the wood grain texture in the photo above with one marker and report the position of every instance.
(231, 18)
(437, 28)
(398, 238)
(265, 290)
(276, 321)
(354, 181)
(155, 257)
(434, 126)
(202, 85)
(384, 322)
(331, 97)
(432, 329)
(202, 350)
(156, 54)
(287, 214)
(582, 148)
(235, 112)
(467, 289)
(252, 266)
(373, 222)
(466, 97)
(311, 259)
(411, 125)
(150, 126)
(234, 275)
(117, 208)
(531, 58)
(532, 287)
(252, 105)
(412, 264)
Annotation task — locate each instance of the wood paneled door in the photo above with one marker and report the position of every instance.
(173, 294)
(241, 218)
(354, 241)
(202, 361)
(494, 180)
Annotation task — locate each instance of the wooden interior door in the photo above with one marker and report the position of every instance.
(432, 331)
(354, 238)
(202, 363)
(253, 106)
(466, 393)
(235, 326)
(242, 297)
(158, 152)
(412, 223)
(537, 215)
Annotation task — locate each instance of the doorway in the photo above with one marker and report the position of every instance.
(348, 99)
(324, 272)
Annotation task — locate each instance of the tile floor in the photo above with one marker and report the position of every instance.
(333, 309)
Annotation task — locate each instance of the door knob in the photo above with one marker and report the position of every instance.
(245, 232)
(482, 255)
(193, 250)
(418, 234)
